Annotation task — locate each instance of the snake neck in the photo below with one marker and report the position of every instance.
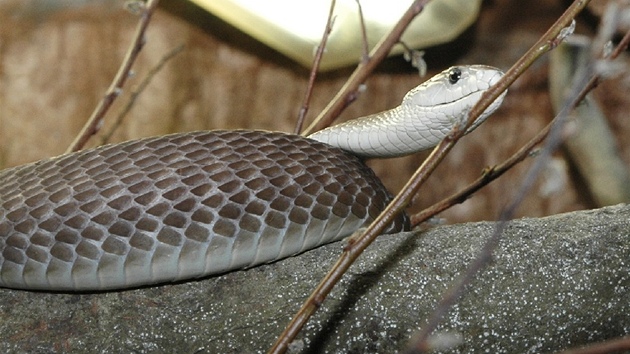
(426, 115)
(376, 135)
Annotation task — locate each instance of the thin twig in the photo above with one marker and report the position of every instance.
(349, 92)
(364, 68)
(95, 121)
(485, 255)
(622, 46)
(581, 87)
(487, 176)
(316, 61)
(496, 171)
(365, 55)
(617, 345)
(136, 92)
(357, 245)
(415, 58)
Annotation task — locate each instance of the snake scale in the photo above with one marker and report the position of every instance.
(193, 204)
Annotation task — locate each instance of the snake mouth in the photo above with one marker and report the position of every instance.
(471, 96)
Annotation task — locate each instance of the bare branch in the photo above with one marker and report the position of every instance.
(95, 121)
(496, 171)
(616, 345)
(311, 80)
(485, 255)
(350, 90)
(136, 93)
(319, 294)
(580, 88)
(357, 244)
(365, 55)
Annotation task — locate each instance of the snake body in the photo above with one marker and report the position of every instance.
(189, 205)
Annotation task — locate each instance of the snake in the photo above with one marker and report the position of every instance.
(189, 205)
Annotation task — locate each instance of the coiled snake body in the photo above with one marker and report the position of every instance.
(188, 205)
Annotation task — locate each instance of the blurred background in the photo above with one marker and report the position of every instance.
(57, 59)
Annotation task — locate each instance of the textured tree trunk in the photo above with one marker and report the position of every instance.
(554, 283)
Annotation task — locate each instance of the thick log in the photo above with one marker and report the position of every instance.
(554, 283)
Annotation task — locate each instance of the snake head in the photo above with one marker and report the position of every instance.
(458, 84)
(455, 91)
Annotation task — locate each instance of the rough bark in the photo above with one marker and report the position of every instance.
(555, 282)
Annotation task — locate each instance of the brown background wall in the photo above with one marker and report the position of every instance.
(56, 61)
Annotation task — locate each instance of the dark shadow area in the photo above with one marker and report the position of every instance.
(357, 288)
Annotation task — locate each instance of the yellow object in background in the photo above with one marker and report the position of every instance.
(295, 27)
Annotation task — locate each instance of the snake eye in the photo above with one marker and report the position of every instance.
(454, 75)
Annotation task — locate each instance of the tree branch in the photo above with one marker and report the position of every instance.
(311, 80)
(95, 121)
(350, 90)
